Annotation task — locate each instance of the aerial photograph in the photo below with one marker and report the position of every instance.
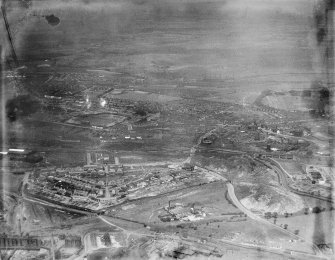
(167, 129)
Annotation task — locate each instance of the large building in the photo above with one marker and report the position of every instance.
(97, 158)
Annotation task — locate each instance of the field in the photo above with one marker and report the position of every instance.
(144, 96)
(313, 227)
(245, 232)
(36, 216)
(175, 49)
(211, 196)
(267, 198)
(102, 119)
(286, 102)
(223, 222)
(293, 168)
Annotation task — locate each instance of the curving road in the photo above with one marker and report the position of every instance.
(282, 173)
(111, 224)
(256, 217)
(252, 215)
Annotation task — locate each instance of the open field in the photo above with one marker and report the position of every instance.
(266, 198)
(296, 169)
(313, 227)
(37, 217)
(144, 96)
(286, 102)
(210, 196)
(102, 119)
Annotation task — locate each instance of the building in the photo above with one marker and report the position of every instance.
(73, 242)
(97, 158)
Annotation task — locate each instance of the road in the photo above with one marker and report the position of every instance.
(231, 193)
(211, 242)
(110, 223)
(64, 124)
(239, 205)
(276, 166)
(280, 167)
(49, 204)
(252, 215)
(221, 150)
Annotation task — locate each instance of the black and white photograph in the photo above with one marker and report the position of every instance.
(167, 129)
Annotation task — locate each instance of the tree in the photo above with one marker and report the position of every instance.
(106, 239)
(267, 215)
(275, 214)
(285, 226)
(316, 210)
(296, 232)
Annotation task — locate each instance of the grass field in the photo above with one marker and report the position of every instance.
(210, 196)
(285, 102)
(313, 227)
